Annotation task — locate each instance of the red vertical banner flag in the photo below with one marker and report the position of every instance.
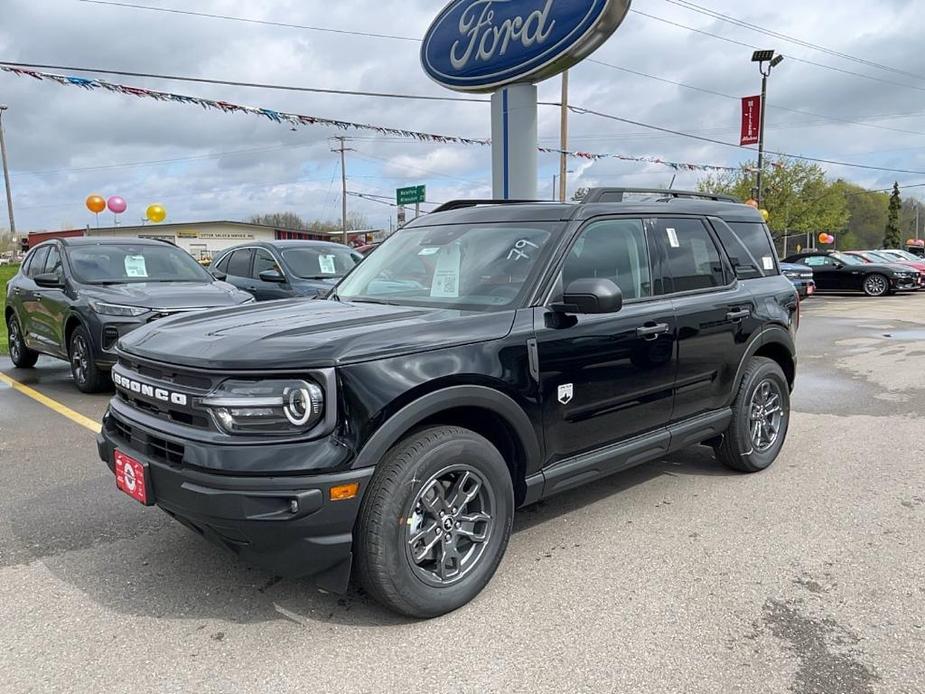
(751, 120)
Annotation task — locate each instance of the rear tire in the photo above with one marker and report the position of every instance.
(876, 285)
(21, 356)
(87, 375)
(760, 418)
(435, 522)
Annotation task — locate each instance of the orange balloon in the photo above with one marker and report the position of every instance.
(751, 202)
(96, 204)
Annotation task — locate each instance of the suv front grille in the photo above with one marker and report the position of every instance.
(148, 379)
(191, 419)
(155, 447)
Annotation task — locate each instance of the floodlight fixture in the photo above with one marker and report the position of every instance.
(762, 56)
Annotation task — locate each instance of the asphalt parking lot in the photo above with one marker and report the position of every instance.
(675, 577)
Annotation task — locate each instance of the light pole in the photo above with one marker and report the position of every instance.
(555, 189)
(6, 179)
(772, 60)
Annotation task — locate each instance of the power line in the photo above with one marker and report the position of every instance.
(788, 56)
(693, 7)
(736, 98)
(265, 22)
(580, 111)
(235, 83)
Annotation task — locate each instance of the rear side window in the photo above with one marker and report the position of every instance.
(239, 264)
(750, 248)
(690, 258)
(222, 264)
(37, 266)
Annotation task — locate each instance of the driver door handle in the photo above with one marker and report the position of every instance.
(651, 332)
(738, 314)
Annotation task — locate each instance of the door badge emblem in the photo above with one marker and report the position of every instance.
(566, 393)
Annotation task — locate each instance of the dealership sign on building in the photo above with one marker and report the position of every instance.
(505, 47)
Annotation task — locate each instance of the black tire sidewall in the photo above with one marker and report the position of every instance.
(27, 357)
(422, 599)
(742, 443)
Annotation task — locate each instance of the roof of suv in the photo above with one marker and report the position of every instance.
(107, 241)
(556, 211)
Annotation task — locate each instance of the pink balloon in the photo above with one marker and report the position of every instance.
(116, 204)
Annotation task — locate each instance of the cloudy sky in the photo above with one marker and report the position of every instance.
(65, 144)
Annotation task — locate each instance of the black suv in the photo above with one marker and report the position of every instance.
(484, 357)
(74, 298)
(271, 270)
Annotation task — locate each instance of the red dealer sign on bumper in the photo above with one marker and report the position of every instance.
(751, 119)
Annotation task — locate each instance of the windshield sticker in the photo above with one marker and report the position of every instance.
(429, 251)
(521, 250)
(327, 264)
(446, 274)
(768, 262)
(673, 238)
(135, 266)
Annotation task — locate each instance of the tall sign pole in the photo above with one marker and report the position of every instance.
(761, 115)
(505, 48)
(6, 179)
(343, 183)
(563, 140)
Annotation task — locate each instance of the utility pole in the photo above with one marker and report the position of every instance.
(563, 140)
(343, 182)
(6, 179)
(555, 189)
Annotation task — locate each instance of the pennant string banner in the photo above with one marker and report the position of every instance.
(296, 120)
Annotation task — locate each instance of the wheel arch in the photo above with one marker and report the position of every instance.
(774, 343)
(486, 411)
(70, 324)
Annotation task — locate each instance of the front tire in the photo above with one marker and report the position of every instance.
(435, 522)
(87, 375)
(21, 356)
(876, 285)
(760, 418)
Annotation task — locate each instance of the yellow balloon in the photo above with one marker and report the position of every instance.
(156, 213)
(96, 204)
(765, 215)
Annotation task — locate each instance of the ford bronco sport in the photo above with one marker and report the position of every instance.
(485, 357)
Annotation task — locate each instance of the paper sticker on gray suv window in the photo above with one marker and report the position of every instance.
(446, 274)
(768, 262)
(135, 266)
(673, 238)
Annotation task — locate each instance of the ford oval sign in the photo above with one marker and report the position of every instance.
(481, 45)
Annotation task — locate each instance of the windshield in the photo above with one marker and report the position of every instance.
(464, 266)
(847, 259)
(881, 258)
(127, 263)
(321, 263)
(905, 255)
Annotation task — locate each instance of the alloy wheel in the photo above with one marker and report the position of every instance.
(15, 340)
(80, 359)
(875, 285)
(449, 525)
(765, 415)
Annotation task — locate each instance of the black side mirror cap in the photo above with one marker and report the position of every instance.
(593, 295)
(49, 280)
(272, 276)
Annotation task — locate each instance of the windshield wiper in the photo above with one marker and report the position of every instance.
(369, 300)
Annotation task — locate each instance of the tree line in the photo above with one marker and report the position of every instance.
(801, 199)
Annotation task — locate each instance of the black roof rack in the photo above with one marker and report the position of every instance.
(617, 194)
(460, 204)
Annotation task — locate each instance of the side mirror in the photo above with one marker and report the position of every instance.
(49, 280)
(219, 275)
(839, 266)
(591, 296)
(272, 276)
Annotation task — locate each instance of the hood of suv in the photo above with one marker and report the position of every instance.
(167, 295)
(296, 334)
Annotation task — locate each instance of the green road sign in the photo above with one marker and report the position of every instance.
(412, 195)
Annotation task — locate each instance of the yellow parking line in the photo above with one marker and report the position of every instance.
(63, 410)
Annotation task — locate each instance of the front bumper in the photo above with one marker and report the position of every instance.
(286, 525)
(904, 284)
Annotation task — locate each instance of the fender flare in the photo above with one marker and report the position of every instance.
(775, 334)
(438, 401)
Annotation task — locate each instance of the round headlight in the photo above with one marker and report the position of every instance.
(301, 403)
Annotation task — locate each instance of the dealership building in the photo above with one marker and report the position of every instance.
(202, 240)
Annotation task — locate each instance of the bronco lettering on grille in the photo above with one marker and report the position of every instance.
(149, 391)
